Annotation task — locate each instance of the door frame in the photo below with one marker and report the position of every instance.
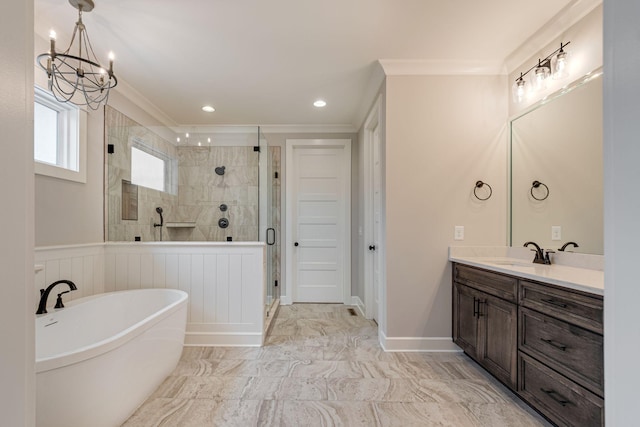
(290, 236)
(374, 119)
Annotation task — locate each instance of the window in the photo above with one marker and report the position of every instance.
(151, 168)
(147, 170)
(59, 138)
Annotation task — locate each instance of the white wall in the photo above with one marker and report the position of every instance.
(17, 329)
(443, 133)
(622, 210)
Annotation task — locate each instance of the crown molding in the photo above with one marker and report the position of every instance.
(338, 128)
(126, 90)
(229, 129)
(419, 67)
(552, 30)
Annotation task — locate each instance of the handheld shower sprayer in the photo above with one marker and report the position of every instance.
(159, 210)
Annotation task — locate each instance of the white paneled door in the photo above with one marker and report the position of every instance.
(318, 197)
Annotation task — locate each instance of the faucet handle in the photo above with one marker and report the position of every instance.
(59, 303)
(547, 259)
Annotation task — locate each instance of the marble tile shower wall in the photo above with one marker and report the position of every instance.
(201, 192)
(121, 131)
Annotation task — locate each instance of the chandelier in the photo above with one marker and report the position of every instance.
(79, 79)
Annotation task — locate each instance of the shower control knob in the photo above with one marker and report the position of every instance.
(296, 244)
(372, 247)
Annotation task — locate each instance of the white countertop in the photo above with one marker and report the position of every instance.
(581, 279)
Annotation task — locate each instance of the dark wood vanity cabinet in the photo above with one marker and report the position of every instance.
(543, 341)
(484, 325)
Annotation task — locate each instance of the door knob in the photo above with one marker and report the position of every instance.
(295, 244)
(372, 247)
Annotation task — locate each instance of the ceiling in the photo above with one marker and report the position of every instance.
(264, 62)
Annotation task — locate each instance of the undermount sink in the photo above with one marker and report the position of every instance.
(509, 263)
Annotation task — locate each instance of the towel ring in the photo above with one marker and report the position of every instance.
(480, 184)
(537, 184)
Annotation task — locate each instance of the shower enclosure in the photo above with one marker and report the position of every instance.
(213, 185)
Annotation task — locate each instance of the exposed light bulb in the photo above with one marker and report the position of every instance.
(52, 35)
(561, 62)
(540, 75)
(519, 91)
(209, 140)
(186, 135)
(178, 139)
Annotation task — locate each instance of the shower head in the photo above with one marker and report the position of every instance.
(159, 210)
(220, 170)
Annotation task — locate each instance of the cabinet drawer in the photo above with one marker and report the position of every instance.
(502, 286)
(558, 398)
(577, 308)
(573, 351)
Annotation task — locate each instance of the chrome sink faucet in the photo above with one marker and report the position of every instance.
(540, 257)
(44, 295)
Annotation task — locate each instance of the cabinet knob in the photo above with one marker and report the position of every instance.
(296, 244)
(372, 247)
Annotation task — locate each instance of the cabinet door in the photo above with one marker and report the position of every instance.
(465, 323)
(498, 337)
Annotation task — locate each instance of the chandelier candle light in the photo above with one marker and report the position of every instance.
(554, 65)
(79, 79)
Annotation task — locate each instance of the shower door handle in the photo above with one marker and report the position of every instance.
(271, 241)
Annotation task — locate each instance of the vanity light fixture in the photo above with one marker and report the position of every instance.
(75, 75)
(554, 65)
(208, 109)
(319, 103)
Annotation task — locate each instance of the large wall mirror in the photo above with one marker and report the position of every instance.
(557, 170)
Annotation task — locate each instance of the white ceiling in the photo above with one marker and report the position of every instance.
(265, 61)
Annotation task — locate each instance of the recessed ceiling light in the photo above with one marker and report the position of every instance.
(319, 103)
(208, 109)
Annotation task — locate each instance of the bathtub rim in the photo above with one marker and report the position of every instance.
(98, 348)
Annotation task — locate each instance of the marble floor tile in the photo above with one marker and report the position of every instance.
(326, 414)
(403, 414)
(322, 366)
(325, 369)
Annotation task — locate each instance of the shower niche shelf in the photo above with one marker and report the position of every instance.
(180, 224)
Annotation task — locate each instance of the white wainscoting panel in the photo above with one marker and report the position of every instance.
(225, 281)
(82, 264)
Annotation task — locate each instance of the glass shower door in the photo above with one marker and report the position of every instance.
(270, 218)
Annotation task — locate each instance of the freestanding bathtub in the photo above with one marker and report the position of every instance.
(100, 357)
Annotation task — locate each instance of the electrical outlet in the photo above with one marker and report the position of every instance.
(458, 233)
(556, 232)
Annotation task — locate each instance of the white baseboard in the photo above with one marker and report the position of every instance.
(355, 300)
(285, 300)
(425, 344)
(223, 339)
